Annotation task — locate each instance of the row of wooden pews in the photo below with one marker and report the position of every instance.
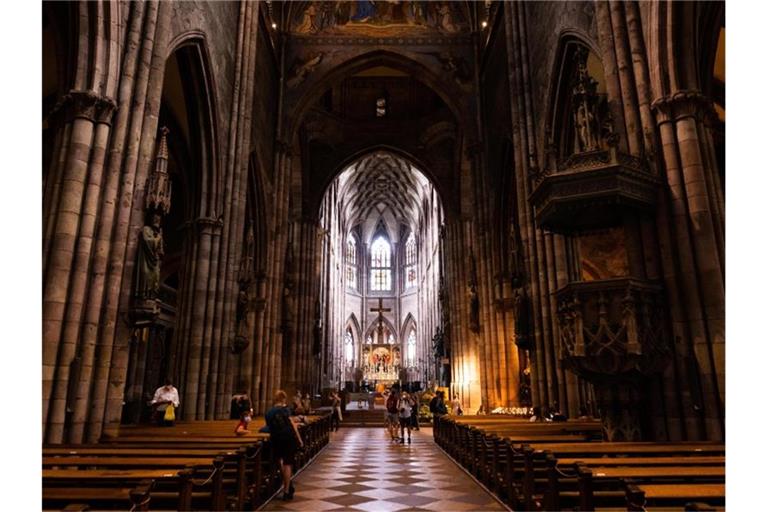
(190, 466)
(567, 466)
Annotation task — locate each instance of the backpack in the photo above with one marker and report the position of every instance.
(280, 424)
(392, 404)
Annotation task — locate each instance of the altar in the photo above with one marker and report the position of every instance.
(381, 364)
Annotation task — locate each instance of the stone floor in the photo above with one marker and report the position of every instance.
(362, 469)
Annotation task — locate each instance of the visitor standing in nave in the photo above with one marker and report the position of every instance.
(392, 419)
(166, 396)
(296, 405)
(405, 406)
(285, 439)
(456, 406)
(415, 411)
(335, 411)
(437, 404)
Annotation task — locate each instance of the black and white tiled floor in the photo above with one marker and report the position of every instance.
(363, 469)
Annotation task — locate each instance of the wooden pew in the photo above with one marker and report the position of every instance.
(244, 472)
(641, 497)
(528, 465)
(572, 481)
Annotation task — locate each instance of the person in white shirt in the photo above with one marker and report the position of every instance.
(404, 406)
(165, 396)
(456, 406)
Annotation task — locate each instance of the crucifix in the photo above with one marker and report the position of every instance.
(381, 309)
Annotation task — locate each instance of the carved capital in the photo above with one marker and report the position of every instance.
(85, 105)
(208, 225)
(682, 104)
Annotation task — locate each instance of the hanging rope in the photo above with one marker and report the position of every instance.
(198, 483)
(564, 474)
(255, 453)
(143, 502)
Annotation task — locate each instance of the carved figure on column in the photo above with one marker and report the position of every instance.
(289, 298)
(317, 330)
(474, 300)
(442, 298)
(150, 247)
(244, 306)
(523, 336)
(150, 257)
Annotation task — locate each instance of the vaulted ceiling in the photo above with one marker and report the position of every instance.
(384, 186)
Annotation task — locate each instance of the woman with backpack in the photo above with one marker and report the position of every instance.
(285, 439)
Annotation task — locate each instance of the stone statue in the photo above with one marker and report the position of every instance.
(302, 69)
(585, 128)
(585, 106)
(150, 257)
(474, 308)
(317, 331)
(438, 344)
(522, 324)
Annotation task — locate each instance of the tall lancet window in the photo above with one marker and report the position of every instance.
(381, 267)
(411, 348)
(410, 261)
(351, 263)
(349, 349)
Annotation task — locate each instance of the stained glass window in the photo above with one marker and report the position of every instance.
(411, 348)
(381, 270)
(351, 263)
(410, 262)
(349, 349)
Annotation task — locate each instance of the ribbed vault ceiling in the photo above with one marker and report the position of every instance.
(379, 182)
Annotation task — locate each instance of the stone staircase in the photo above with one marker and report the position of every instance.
(364, 418)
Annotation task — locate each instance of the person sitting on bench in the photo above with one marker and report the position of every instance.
(165, 396)
(242, 427)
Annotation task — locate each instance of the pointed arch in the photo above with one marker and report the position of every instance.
(387, 324)
(190, 49)
(316, 86)
(352, 323)
(410, 321)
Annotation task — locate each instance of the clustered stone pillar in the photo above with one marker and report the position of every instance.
(65, 277)
(696, 212)
(463, 344)
(260, 363)
(92, 211)
(544, 254)
(691, 200)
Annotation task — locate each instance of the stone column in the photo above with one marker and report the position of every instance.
(681, 118)
(135, 160)
(64, 279)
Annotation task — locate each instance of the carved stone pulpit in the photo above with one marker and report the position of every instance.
(612, 334)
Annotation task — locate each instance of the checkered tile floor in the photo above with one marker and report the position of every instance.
(363, 469)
